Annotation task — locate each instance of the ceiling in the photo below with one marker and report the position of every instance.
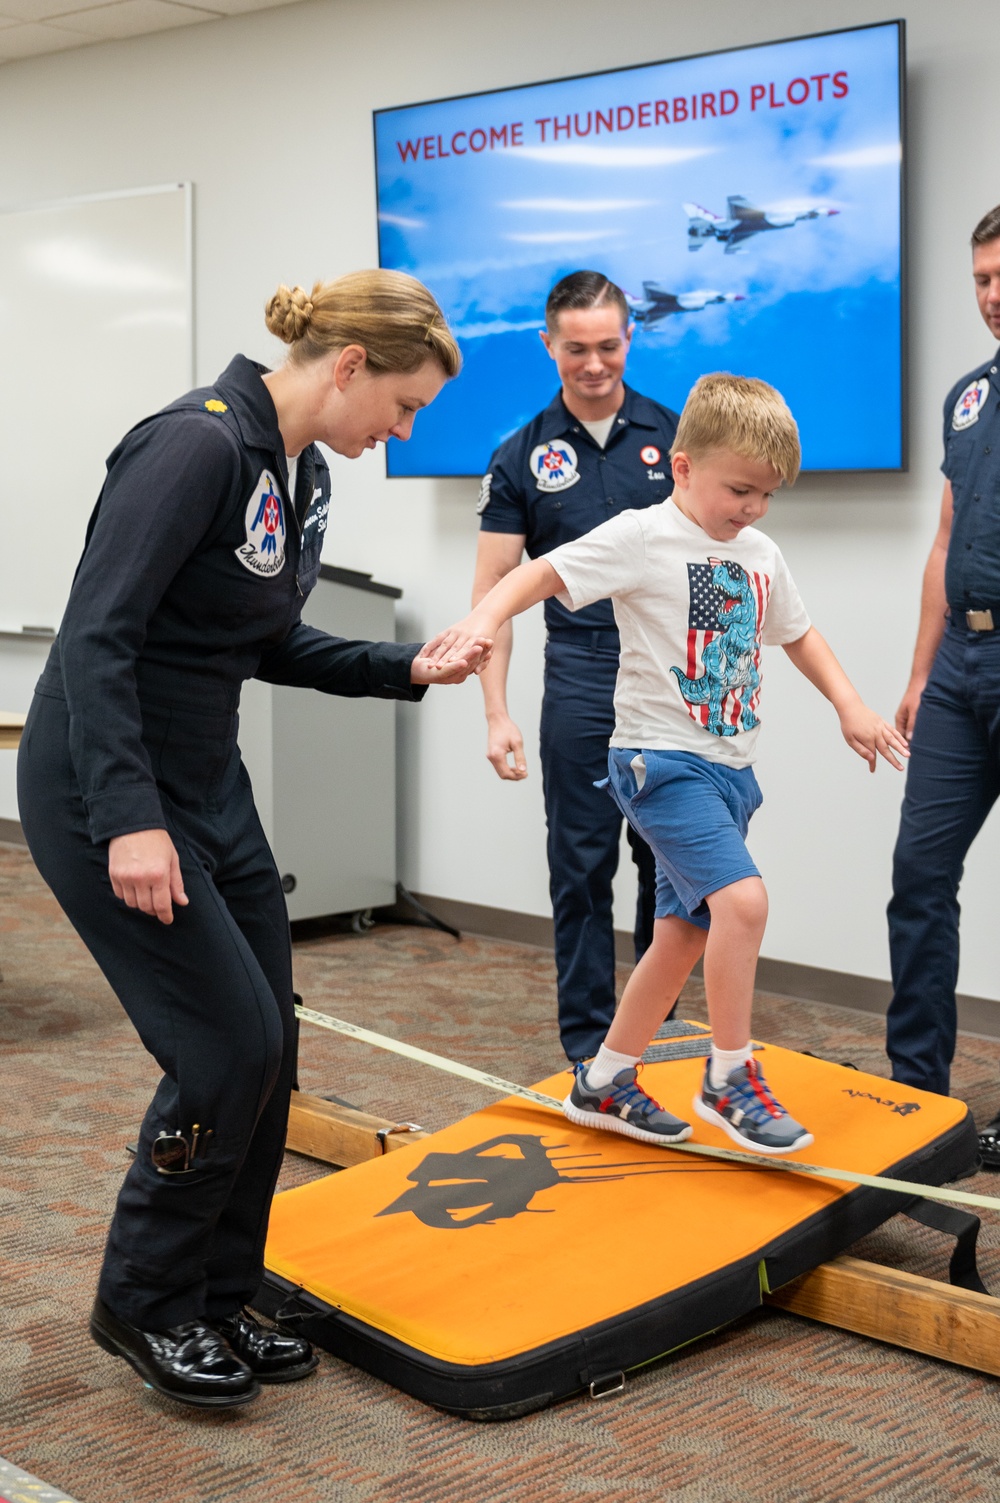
(31, 27)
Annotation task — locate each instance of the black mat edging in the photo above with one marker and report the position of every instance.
(532, 1380)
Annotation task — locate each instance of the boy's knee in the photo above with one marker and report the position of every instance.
(743, 903)
(673, 932)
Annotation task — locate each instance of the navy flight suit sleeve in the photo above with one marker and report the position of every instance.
(311, 659)
(160, 499)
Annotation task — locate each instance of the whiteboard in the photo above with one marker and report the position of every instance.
(96, 331)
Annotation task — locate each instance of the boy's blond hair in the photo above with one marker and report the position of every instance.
(743, 415)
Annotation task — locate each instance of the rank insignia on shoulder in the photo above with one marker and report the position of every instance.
(970, 404)
(213, 405)
(484, 494)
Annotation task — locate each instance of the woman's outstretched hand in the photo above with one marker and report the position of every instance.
(438, 664)
(146, 874)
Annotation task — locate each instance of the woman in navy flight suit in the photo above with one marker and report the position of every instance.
(202, 548)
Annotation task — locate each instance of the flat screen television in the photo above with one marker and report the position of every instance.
(749, 203)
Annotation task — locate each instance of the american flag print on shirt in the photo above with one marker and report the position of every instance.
(720, 682)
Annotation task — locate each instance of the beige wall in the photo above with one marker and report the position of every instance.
(270, 116)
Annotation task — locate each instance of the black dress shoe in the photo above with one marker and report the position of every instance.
(270, 1355)
(190, 1363)
(989, 1144)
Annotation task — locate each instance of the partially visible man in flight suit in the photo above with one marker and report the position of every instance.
(950, 713)
(598, 448)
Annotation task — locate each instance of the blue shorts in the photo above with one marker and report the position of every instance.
(693, 814)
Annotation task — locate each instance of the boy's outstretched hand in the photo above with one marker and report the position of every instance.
(864, 731)
(430, 666)
(524, 586)
(872, 737)
(457, 644)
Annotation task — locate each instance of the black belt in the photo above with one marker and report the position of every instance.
(983, 618)
(600, 639)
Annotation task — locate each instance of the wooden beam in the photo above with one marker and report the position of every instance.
(900, 1308)
(11, 726)
(341, 1135)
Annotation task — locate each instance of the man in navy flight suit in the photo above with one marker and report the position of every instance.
(599, 448)
(953, 777)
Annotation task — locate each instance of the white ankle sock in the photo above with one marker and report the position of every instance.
(724, 1061)
(605, 1066)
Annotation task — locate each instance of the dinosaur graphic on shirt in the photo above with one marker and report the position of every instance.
(728, 636)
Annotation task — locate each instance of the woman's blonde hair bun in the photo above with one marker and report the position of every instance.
(288, 313)
(390, 314)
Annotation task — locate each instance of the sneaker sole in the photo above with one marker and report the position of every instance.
(709, 1114)
(607, 1123)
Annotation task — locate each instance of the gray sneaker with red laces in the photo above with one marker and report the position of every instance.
(622, 1107)
(745, 1108)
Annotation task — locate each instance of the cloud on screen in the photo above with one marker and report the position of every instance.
(579, 205)
(558, 237)
(888, 155)
(403, 221)
(496, 326)
(578, 154)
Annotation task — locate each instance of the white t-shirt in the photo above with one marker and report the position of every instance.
(600, 429)
(692, 613)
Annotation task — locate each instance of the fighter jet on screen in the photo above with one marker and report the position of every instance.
(744, 221)
(657, 303)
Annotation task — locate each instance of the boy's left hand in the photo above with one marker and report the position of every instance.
(872, 737)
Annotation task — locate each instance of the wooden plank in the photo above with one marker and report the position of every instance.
(341, 1135)
(900, 1308)
(11, 726)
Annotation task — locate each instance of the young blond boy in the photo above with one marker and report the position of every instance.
(697, 590)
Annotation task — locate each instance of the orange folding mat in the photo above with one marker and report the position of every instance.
(514, 1258)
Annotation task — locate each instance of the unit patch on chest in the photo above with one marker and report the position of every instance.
(971, 403)
(554, 466)
(263, 552)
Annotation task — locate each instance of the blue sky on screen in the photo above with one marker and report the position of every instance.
(805, 124)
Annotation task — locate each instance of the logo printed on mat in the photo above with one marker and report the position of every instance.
(497, 1180)
(901, 1108)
